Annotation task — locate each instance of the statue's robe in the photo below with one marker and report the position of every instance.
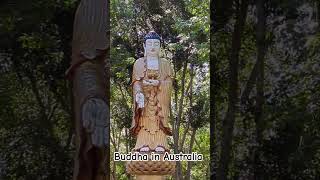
(150, 124)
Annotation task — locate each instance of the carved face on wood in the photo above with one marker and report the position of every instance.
(152, 47)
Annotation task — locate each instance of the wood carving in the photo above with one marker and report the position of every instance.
(90, 105)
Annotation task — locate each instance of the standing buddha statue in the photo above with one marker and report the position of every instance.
(152, 85)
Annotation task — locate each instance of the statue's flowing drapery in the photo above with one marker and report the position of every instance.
(150, 124)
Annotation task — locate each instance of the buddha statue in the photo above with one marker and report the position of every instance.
(152, 84)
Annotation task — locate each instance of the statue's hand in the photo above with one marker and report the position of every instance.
(151, 82)
(140, 100)
(95, 113)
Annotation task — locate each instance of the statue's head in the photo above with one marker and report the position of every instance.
(152, 44)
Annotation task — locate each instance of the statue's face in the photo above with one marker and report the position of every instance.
(152, 47)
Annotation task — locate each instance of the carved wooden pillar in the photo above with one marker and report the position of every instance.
(90, 90)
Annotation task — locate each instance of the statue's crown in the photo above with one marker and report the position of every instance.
(152, 35)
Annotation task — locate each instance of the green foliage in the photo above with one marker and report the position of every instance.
(290, 127)
(35, 115)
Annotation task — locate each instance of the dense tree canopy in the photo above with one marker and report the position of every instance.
(36, 123)
(273, 131)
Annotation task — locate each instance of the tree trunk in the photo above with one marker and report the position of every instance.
(91, 90)
(190, 95)
(178, 173)
(220, 12)
(249, 85)
(261, 31)
(228, 124)
(213, 89)
(318, 14)
(193, 137)
(193, 134)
